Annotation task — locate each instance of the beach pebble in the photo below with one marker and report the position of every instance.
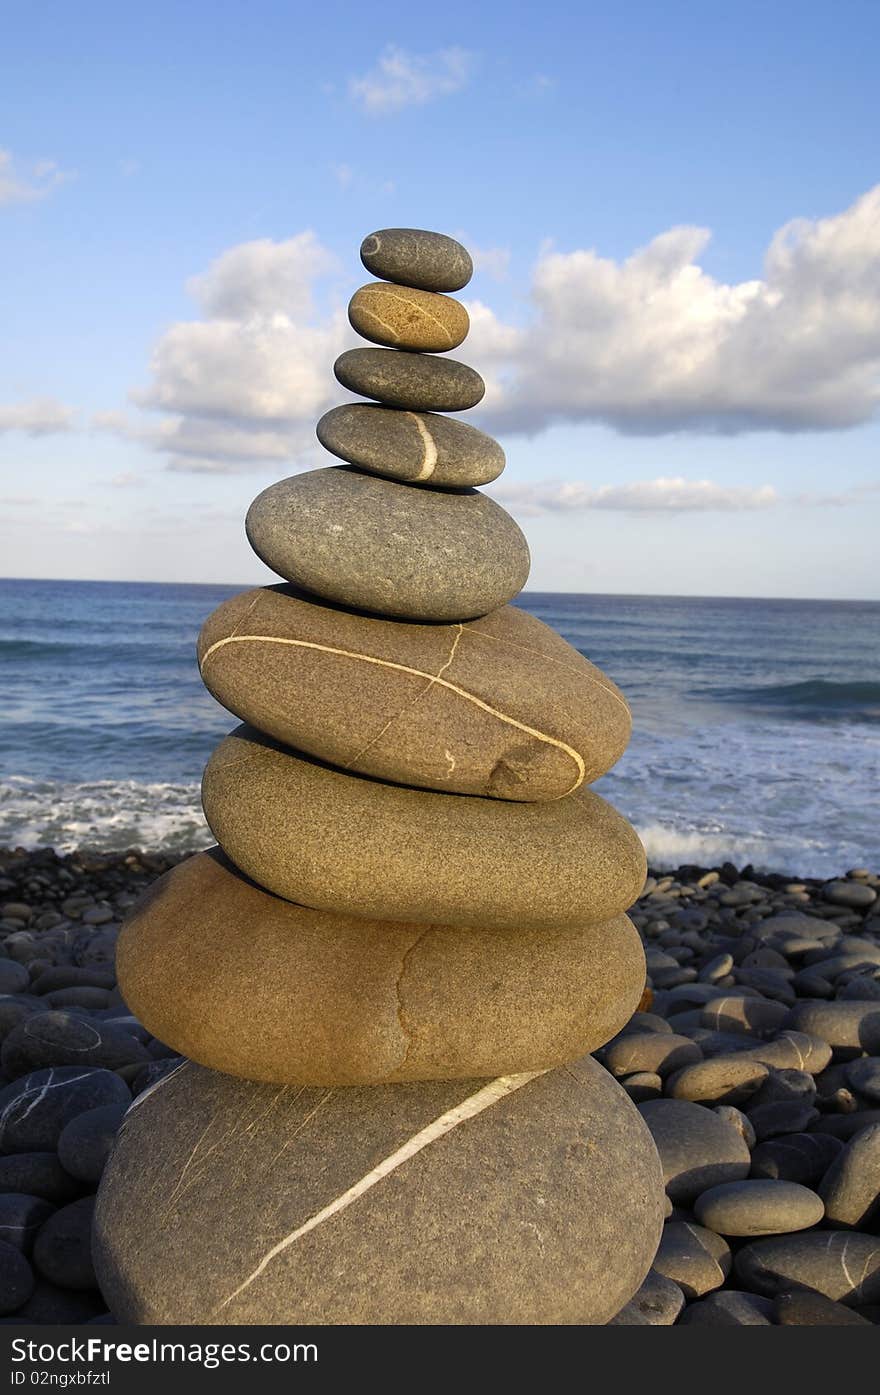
(413, 382)
(54, 1306)
(656, 1052)
(845, 1125)
(845, 1267)
(348, 537)
(697, 1148)
(416, 447)
(846, 893)
(583, 1233)
(798, 1157)
(696, 1259)
(657, 1304)
(413, 257)
(728, 1307)
(339, 842)
(37, 1174)
(359, 676)
(846, 1026)
(83, 997)
(21, 1217)
(733, 1013)
(720, 1080)
(62, 1039)
(851, 1186)
(758, 1207)
(73, 976)
(781, 1117)
(85, 1143)
(62, 1250)
(405, 317)
(16, 1278)
(864, 1076)
(804, 1309)
(34, 1109)
(16, 1008)
(740, 1122)
(794, 1051)
(642, 1085)
(14, 978)
(785, 1086)
(716, 968)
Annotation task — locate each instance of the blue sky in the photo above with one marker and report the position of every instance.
(182, 197)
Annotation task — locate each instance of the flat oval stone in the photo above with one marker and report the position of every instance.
(845, 1267)
(758, 1207)
(34, 1109)
(345, 843)
(500, 706)
(66, 1039)
(37, 1174)
(851, 1186)
(804, 1309)
(299, 996)
(694, 1258)
(21, 1217)
(697, 1148)
(800, 1157)
(657, 1304)
(721, 1080)
(863, 1075)
(412, 381)
(729, 1307)
(847, 1027)
(655, 1052)
(368, 543)
(417, 447)
(402, 317)
(543, 1205)
(62, 1252)
(412, 257)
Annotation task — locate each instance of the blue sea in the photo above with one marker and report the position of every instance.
(756, 722)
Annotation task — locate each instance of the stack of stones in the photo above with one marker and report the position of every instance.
(413, 922)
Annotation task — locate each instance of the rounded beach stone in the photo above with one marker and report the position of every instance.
(697, 1149)
(849, 1028)
(657, 1304)
(21, 1217)
(794, 1051)
(300, 996)
(34, 1109)
(799, 1157)
(37, 1174)
(812, 1310)
(14, 1008)
(341, 842)
(63, 1039)
(415, 382)
(16, 1278)
(863, 1075)
(660, 1052)
(740, 1122)
(85, 1143)
(368, 543)
(721, 1080)
(851, 1186)
(416, 447)
(14, 978)
(845, 1267)
(62, 1250)
(518, 1200)
(694, 1258)
(500, 706)
(729, 1307)
(51, 1305)
(743, 1014)
(413, 257)
(758, 1207)
(403, 317)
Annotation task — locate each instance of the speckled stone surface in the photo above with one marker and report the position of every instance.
(272, 991)
(402, 317)
(413, 257)
(416, 382)
(417, 447)
(500, 706)
(361, 541)
(343, 842)
(227, 1202)
(842, 1266)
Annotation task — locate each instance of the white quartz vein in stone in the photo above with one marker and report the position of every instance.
(429, 462)
(468, 1109)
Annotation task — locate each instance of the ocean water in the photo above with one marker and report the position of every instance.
(756, 722)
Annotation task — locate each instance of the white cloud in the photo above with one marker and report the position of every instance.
(654, 344)
(23, 182)
(263, 278)
(43, 416)
(664, 495)
(402, 79)
(494, 261)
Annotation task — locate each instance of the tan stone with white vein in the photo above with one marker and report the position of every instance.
(402, 317)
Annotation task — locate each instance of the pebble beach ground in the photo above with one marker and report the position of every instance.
(755, 1061)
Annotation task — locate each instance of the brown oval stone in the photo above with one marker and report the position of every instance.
(520, 1200)
(346, 843)
(405, 318)
(306, 997)
(423, 554)
(413, 257)
(418, 447)
(500, 706)
(415, 382)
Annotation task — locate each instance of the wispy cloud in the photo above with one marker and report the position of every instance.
(25, 182)
(400, 79)
(42, 416)
(663, 495)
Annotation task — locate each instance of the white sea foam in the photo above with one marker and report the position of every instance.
(107, 815)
